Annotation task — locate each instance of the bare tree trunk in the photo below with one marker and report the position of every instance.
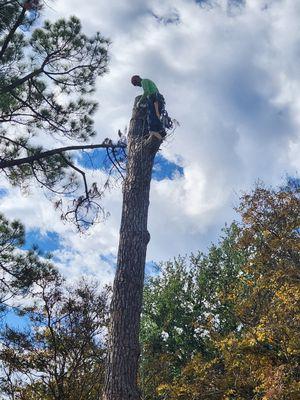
(124, 349)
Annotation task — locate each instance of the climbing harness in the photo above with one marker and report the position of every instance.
(166, 121)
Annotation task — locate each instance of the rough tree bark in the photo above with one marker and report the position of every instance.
(124, 349)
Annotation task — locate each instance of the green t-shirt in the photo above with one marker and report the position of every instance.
(149, 88)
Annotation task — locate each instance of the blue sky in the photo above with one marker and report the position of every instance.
(162, 169)
(229, 71)
(47, 242)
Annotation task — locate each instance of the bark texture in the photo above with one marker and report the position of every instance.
(124, 349)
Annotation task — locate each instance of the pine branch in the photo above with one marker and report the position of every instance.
(49, 153)
(20, 81)
(12, 32)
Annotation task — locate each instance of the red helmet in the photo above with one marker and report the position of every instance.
(135, 80)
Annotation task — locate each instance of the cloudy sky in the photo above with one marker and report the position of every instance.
(229, 70)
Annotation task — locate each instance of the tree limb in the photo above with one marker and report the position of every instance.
(82, 174)
(29, 76)
(49, 153)
(20, 81)
(12, 32)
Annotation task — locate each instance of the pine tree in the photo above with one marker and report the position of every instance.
(18, 270)
(47, 77)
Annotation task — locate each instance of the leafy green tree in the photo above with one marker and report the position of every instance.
(259, 359)
(185, 308)
(61, 353)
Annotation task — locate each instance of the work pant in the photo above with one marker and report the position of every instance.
(154, 123)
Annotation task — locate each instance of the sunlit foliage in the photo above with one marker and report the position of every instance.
(225, 326)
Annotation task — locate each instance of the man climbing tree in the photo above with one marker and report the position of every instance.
(155, 104)
(124, 349)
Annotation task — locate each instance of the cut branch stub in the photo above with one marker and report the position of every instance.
(124, 348)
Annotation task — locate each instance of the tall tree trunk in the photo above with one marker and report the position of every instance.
(124, 349)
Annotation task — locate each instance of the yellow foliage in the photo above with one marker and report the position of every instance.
(259, 361)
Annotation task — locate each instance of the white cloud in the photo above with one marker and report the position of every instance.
(230, 76)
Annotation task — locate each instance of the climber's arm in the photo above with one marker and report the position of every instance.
(156, 109)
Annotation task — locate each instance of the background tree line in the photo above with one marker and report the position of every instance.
(224, 325)
(220, 325)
